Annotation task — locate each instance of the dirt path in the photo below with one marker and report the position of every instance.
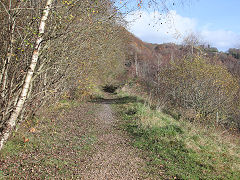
(73, 141)
(115, 158)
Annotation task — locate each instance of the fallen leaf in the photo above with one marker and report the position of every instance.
(25, 140)
(32, 130)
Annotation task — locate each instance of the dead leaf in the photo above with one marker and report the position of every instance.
(32, 130)
(25, 140)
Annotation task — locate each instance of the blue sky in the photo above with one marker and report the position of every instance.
(216, 22)
(221, 14)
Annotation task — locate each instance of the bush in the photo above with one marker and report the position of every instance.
(205, 89)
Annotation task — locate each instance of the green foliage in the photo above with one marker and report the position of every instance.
(212, 49)
(234, 52)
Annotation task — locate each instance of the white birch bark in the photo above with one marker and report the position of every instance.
(19, 106)
(136, 64)
(4, 74)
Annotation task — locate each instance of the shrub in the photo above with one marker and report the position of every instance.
(196, 84)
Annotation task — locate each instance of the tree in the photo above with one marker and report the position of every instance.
(234, 52)
(11, 123)
(192, 40)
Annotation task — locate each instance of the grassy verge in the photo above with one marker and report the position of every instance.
(55, 144)
(179, 149)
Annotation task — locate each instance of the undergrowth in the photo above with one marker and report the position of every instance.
(179, 149)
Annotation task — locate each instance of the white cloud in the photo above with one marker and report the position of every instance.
(221, 39)
(160, 28)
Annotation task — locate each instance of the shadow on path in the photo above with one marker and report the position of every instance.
(122, 100)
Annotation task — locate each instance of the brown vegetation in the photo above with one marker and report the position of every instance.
(190, 78)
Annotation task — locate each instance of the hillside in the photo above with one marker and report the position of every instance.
(151, 56)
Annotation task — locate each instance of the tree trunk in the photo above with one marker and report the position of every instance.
(4, 74)
(136, 64)
(11, 123)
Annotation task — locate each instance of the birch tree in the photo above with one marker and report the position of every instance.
(21, 100)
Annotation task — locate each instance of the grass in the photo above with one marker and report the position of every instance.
(179, 149)
(64, 137)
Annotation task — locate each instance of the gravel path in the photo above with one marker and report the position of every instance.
(115, 158)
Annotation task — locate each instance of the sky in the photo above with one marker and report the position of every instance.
(215, 22)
